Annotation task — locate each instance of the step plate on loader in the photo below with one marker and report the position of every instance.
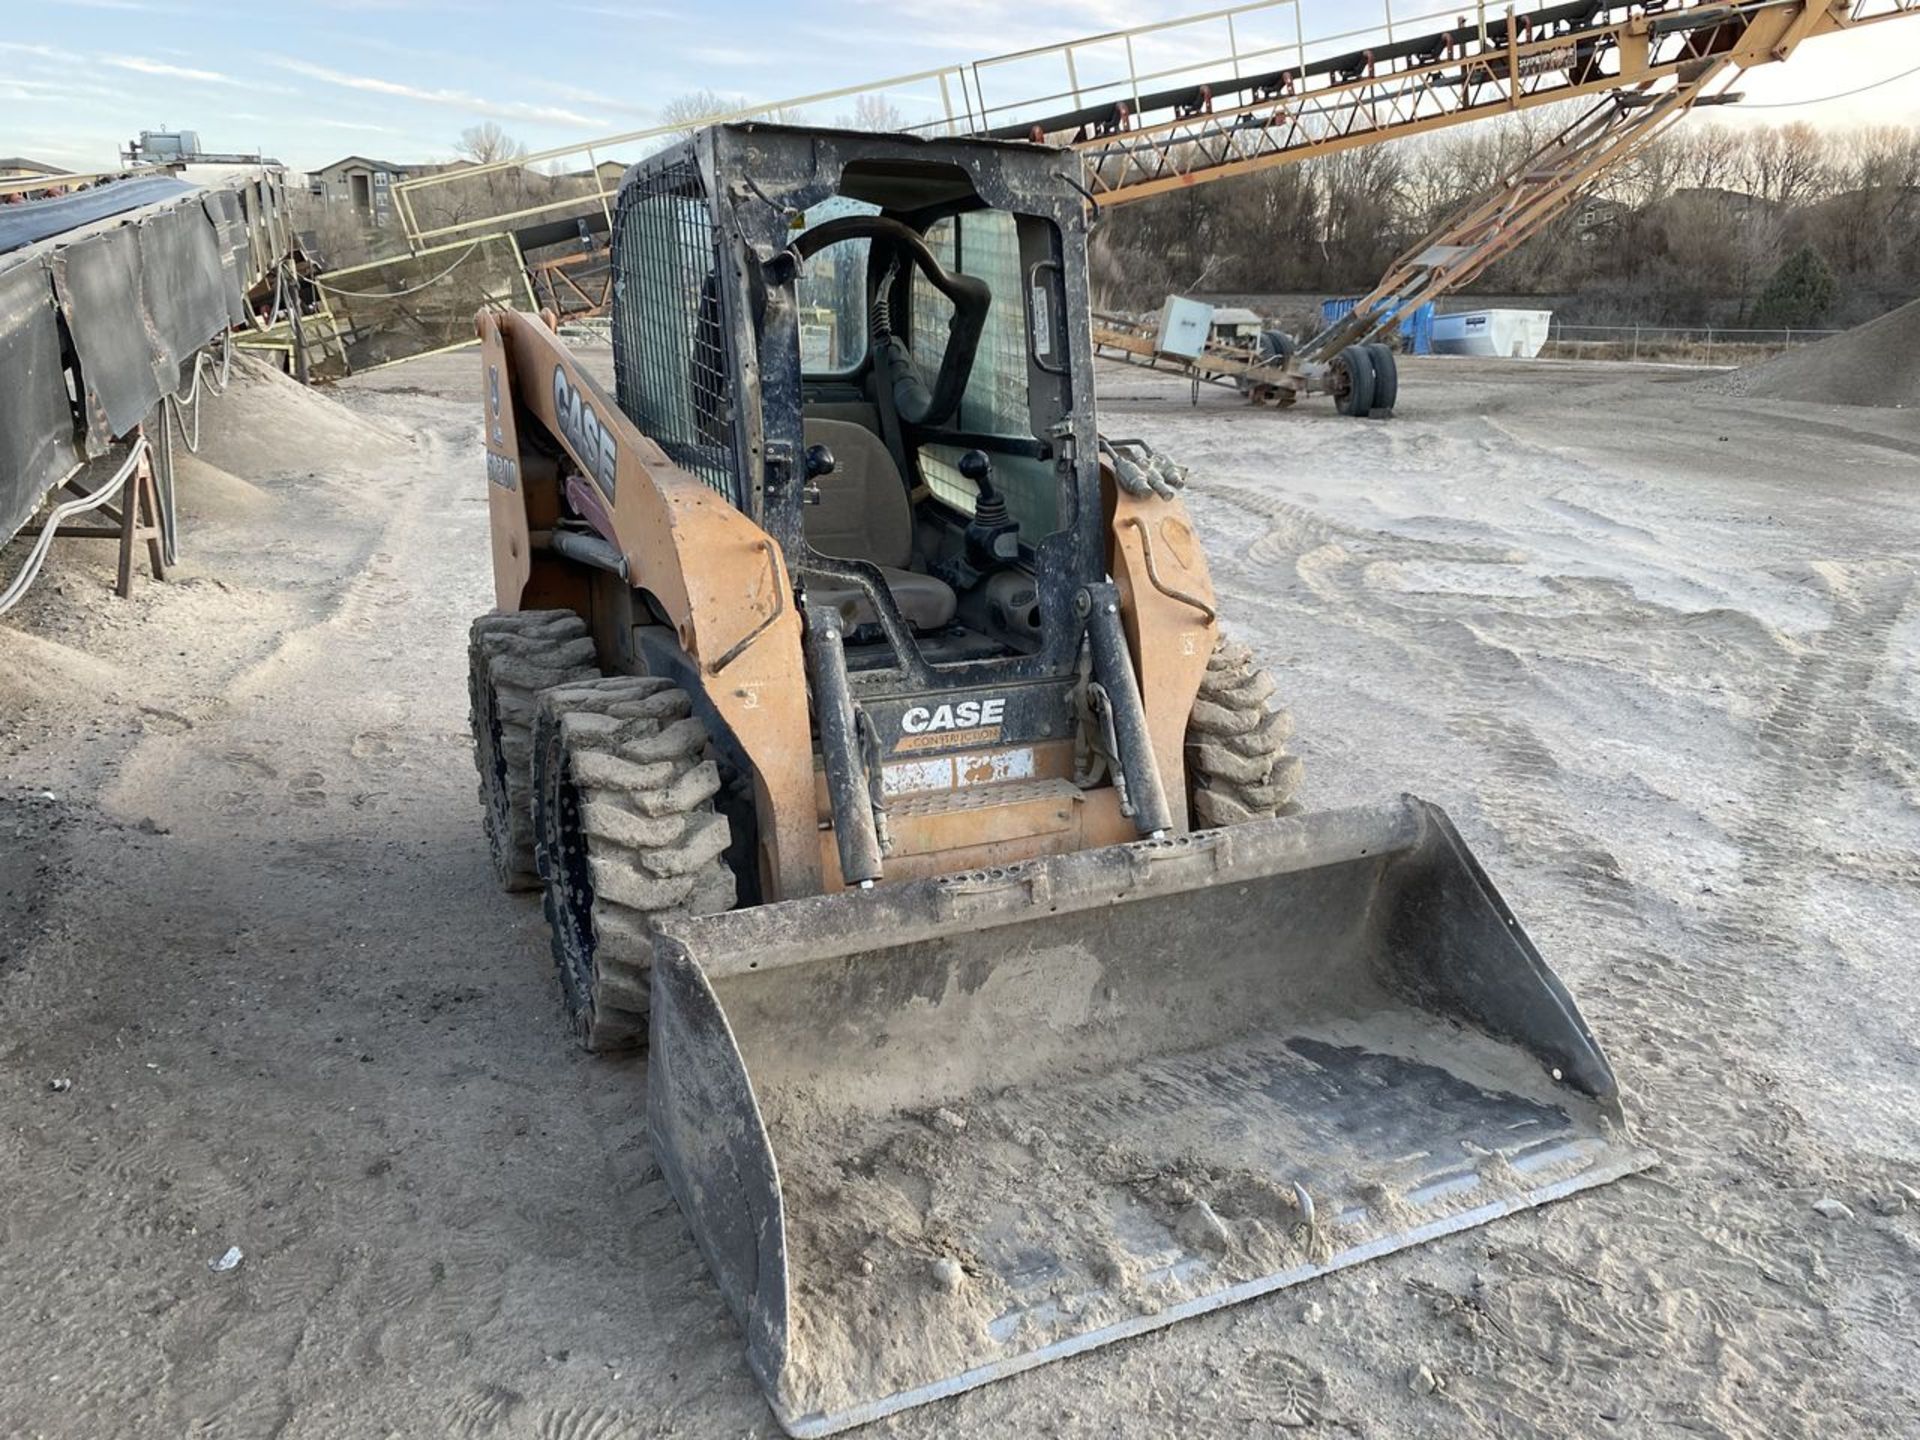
(933, 1134)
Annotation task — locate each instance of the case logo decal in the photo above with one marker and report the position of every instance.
(585, 431)
(965, 715)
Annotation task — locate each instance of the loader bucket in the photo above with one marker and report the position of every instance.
(933, 1134)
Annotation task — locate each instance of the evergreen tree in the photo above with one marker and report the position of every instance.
(1800, 293)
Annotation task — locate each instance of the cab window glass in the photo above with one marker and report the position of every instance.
(832, 295)
(986, 245)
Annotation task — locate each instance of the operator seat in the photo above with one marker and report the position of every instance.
(864, 514)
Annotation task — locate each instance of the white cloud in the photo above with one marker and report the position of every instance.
(67, 62)
(625, 12)
(451, 99)
(985, 27)
(736, 56)
(378, 6)
(579, 95)
(143, 66)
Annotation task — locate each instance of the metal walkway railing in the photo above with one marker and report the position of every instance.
(1159, 107)
(1440, 77)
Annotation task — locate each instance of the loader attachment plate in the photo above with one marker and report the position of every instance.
(933, 1134)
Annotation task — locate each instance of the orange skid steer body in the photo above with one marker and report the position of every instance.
(1003, 1043)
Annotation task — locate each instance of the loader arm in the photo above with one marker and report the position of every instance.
(1167, 607)
(716, 577)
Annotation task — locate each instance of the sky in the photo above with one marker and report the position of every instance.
(309, 81)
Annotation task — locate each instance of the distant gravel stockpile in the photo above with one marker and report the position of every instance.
(1876, 364)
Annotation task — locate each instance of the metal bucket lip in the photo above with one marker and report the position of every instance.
(1410, 839)
(811, 1424)
(846, 922)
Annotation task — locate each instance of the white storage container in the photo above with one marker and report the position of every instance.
(1501, 334)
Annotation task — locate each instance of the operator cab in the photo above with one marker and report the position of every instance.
(875, 347)
(931, 408)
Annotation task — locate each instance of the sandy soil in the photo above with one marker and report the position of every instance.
(1654, 647)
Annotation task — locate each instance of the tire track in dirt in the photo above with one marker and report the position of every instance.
(463, 1233)
(1812, 739)
(1760, 1295)
(1795, 823)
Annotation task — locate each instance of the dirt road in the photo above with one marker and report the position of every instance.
(1655, 649)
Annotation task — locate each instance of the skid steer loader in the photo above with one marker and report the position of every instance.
(865, 719)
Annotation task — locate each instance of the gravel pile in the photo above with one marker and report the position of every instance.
(1875, 364)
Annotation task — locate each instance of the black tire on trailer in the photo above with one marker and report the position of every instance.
(1238, 768)
(627, 835)
(1275, 349)
(510, 660)
(1386, 380)
(1278, 346)
(1353, 381)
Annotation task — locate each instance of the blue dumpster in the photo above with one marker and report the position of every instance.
(1417, 328)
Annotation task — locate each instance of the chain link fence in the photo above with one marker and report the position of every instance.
(1674, 344)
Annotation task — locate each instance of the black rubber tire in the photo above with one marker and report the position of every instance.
(1238, 768)
(1353, 382)
(1386, 380)
(1277, 345)
(1275, 348)
(627, 834)
(510, 660)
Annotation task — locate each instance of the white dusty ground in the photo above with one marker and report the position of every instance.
(1654, 648)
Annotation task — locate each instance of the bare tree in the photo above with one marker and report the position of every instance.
(1788, 164)
(463, 198)
(1709, 157)
(1687, 232)
(486, 143)
(873, 112)
(687, 113)
(1869, 221)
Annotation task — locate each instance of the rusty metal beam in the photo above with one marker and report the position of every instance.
(1157, 159)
